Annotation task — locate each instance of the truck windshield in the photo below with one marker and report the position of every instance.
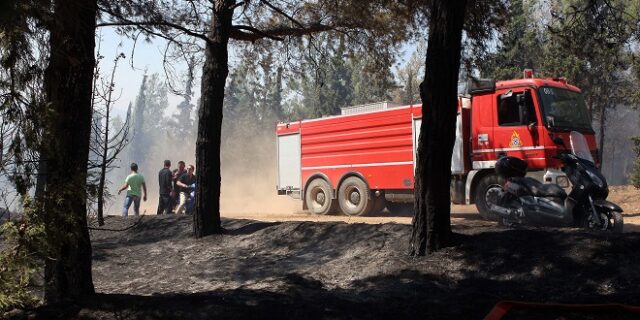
(564, 109)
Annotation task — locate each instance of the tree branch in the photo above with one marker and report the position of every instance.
(253, 36)
(144, 24)
(278, 10)
(275, 33)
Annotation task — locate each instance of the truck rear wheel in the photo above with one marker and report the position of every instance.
(354, 197)
(318, 197)
(487, 191)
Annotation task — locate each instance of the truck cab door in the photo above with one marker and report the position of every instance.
(516, 126)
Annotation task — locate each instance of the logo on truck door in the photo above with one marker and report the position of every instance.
(483, 138)
(515, 141)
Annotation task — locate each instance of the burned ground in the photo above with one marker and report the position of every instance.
(338, 270)
(347, 271)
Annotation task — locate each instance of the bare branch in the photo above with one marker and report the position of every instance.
(278, 10)
(144, 24)
(275, 33)
(253, 36)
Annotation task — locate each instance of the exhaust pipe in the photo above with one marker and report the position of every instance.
(502, 211)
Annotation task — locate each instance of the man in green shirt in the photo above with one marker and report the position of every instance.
(132, 183)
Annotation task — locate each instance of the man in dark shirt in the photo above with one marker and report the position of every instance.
(185, 182)
(166, 188)
(177, 173)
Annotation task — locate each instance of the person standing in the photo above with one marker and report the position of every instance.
(165, 181)
(185, 182)
(132, 183)
(177, 173)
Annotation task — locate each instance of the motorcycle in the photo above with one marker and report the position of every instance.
(525, 200)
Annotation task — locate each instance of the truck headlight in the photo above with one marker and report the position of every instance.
(562, 181)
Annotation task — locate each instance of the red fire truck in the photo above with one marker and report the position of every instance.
(364, 160)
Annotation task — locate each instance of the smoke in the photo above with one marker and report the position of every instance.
(249, 174)
(248, 171)
(618, 157)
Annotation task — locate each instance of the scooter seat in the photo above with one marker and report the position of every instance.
(539, 189)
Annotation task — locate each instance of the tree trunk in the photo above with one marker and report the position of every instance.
(603, 123)
(432, 218)
(68, 82)
(103, 162)
(206, 219)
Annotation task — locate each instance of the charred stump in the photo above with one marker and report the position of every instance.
(438, 91)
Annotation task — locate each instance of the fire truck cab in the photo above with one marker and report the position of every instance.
(362, 161)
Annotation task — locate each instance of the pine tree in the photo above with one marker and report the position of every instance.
(408, 75)
(634, 176)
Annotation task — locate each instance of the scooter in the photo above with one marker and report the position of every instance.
(525, 200)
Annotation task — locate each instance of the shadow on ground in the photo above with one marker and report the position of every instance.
(303, 270)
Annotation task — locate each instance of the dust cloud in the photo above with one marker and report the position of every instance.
(248, 173)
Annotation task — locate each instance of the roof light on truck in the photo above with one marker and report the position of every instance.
(527, 74)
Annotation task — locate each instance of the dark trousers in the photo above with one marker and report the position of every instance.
(164, 204)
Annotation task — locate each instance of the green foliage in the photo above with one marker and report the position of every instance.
(586, 42)
(253, 99)
(634, 176)
(590, 43)
(335, 75)
(21, 257)
(148, 116)
(520, 44)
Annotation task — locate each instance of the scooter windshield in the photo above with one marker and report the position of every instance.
(579, 146)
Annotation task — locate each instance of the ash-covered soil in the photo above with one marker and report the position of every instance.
(339, 270)
(335, 270)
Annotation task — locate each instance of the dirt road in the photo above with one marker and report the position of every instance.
(278, 209)
(626, 196)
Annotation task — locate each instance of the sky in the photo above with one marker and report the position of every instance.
(146, 56)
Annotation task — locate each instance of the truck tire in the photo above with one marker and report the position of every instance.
(486, 191)
(355, 198)
(318, 197)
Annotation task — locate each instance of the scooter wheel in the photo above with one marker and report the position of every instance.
(487, 191)
(616, 219)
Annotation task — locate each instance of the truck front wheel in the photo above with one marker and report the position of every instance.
(354, 197)
(487, 191)
(318, 197)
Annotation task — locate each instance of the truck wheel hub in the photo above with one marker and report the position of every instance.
(493, 194)
(320, 198)
(354, 197)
